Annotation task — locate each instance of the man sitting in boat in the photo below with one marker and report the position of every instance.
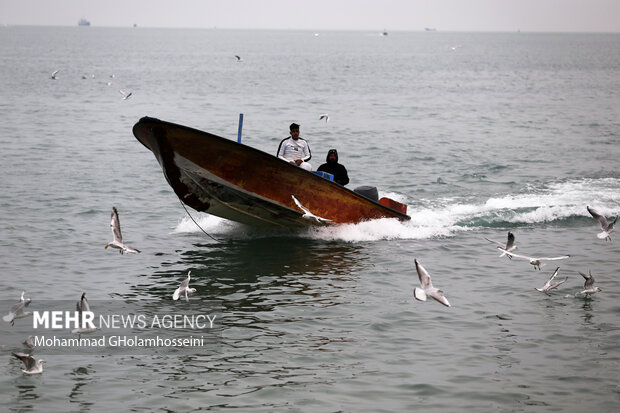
(295, 150)
(333, 167)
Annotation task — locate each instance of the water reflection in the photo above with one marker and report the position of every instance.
(587, 309)
(283, 299)
(259, 274)
(79, 392)
(26, 392)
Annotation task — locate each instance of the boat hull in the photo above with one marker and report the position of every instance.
(240, 183)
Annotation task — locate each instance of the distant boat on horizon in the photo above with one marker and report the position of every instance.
(430, 29)
(83, 22)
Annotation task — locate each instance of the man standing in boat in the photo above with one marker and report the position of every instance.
(295, 150)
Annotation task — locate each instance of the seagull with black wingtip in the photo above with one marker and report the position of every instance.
(588, 286)
(509, 246)
(117, 243)
(549, 286)
(32, 366)
(17, 310)
(426, 287)
(83, 307)
(537, 262)
(606, 226)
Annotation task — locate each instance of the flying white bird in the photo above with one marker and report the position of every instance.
(184, 289)
(537, 262)
(588, 286)
(509, 246)
(53, 75)
(607, 227)
(83, 308)
(324, 116)
(309, 215)
(118, 237)
(125, 95)
(427, 287)
(548, 286)
(239, 59)
(17, 310)
(32, 366)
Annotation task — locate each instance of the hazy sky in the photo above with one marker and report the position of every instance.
(444, 15)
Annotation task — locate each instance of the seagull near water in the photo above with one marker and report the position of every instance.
(548, 286)
(17, 310)
(239, 59)
(588, 286)
(82, 307)
(537, 262)
(509, 246)
(184, 289)
(606, 226)
(125, 94)
(32, 366)
(324, 116)
(118, 237)
(427, 287)
(309, 215)
(53, 75)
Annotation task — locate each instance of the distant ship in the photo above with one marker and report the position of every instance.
(83, 22)
(430, 29)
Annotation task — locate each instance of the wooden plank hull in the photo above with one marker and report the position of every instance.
(237, 182)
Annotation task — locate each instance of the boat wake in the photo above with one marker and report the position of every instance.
(561, 203)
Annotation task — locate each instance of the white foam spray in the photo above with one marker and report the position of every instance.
(444, 217)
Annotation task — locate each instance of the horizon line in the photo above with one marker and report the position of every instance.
(423, 30)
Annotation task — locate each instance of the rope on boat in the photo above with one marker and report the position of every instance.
(192, 218)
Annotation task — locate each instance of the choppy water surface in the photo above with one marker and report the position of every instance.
(480, 134)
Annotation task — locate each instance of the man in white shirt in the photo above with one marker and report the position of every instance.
(295, 150)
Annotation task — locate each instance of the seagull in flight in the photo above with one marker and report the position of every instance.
(118, 237)
(239, 59)
(32, 366)
(427, 287)
(83, 307)
(324, 116)
(548, 286)
(184, 289)
(607, 227)
(509, 246)
(125, 95)
(309, 215)
(537, 262)
(17, 310)
(53, 75)
(588, 286)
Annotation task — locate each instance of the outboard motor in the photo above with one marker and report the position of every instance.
(369, 192)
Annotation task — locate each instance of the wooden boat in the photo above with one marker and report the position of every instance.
(240, 183)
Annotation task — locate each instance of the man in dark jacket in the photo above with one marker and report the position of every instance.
(333, 167)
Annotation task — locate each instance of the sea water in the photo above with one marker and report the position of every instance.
(478, 133)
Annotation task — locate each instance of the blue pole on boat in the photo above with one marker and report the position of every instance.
(240, 127)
